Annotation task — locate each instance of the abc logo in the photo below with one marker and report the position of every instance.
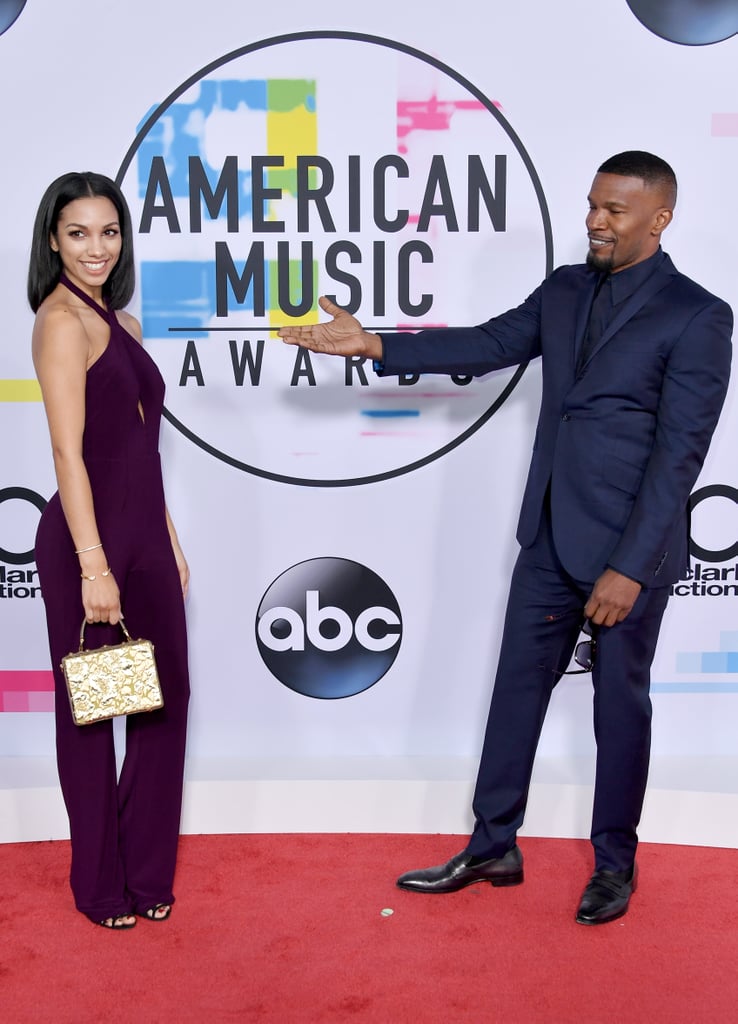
(328, 628)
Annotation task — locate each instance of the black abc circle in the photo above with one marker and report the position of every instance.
(9, 12)
(334, 601)
(689, 22)
(20, 494)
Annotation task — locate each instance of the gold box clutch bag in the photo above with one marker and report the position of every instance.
(118, 679)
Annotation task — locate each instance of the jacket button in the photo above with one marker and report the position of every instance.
(566, 417)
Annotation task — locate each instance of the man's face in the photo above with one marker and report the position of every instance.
(625, 221)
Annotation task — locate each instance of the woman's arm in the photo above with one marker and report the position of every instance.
(61, 351)
(184, 569)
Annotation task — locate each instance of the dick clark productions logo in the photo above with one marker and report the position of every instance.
(407, 198)
(328, 627)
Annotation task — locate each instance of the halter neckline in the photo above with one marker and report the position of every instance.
(106, 314)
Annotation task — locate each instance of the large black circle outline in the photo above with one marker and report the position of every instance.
(20, 494)
(317, 696)
(712, 491)
(543, 206)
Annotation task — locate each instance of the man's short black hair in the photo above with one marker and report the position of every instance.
(655, 172)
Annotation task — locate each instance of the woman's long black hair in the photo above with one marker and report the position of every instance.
(45, 265)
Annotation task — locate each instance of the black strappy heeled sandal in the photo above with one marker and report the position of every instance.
(159, 912)
(119, 923)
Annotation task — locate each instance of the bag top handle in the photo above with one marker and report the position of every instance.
(121, 623)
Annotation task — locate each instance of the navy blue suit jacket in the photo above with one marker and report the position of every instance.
(621, 441)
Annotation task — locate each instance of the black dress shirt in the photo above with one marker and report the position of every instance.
(611, 291)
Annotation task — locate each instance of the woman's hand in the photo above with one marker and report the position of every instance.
(101, 598)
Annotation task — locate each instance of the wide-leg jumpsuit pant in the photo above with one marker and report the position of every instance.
(124, 831)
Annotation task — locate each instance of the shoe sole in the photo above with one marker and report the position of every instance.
(601, 920)
(503, 881)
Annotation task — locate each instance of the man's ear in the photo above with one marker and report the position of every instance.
(661, 220)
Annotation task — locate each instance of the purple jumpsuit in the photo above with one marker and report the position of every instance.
(124, 831)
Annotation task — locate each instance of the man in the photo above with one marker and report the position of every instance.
(636, 361)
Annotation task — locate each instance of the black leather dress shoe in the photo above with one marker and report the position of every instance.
(463, 870)
(607, 896)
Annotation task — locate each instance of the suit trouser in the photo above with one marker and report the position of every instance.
(542, 625)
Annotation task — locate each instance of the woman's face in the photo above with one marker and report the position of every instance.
(88, 240)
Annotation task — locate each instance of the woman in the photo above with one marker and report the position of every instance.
(106, 547)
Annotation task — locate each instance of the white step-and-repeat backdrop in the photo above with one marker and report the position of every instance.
(350, 538)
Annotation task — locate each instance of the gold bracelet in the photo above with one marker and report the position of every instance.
(92, 579)
(92, 547)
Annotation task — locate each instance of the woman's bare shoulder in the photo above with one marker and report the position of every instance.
(130, 323)
(58, 324)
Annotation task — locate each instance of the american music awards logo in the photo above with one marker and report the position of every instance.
(326, 163)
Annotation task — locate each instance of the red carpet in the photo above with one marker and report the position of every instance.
(288, 929)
